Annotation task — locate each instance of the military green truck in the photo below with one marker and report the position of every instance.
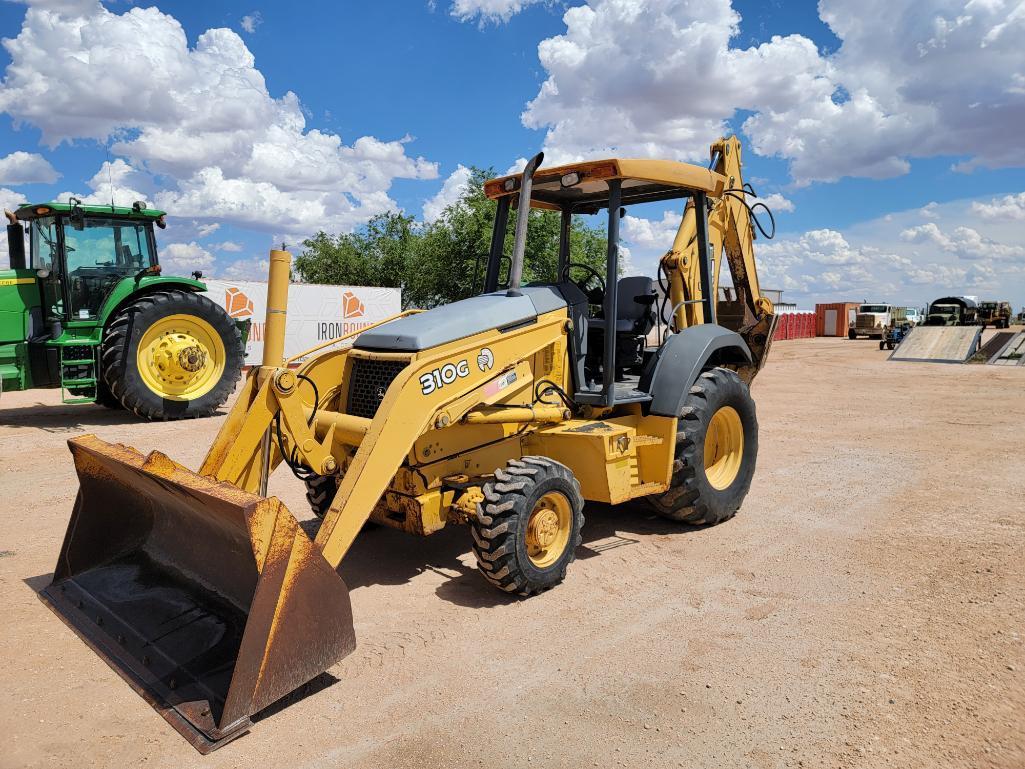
(952, 311)
(995, 314)
(85, 308)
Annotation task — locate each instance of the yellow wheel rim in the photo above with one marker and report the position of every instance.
(180, 357)
(548, 529)
(724, 447)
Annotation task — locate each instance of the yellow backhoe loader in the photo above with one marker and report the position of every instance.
(505, 411)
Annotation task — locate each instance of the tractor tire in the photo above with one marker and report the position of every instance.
(105, 397)
(527, 528)
(169, 326)
(320, 492)
(852, 334)
(710, 481)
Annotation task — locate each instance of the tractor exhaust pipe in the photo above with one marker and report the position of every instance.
(522, 217)
(15, 241)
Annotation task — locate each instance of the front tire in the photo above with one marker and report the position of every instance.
(527, 528)
(172, 355)
(716, 451)
(852, 334)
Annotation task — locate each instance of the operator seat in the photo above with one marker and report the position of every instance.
(635, 317)
(635, 296)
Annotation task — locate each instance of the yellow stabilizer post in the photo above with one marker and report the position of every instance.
(209, 600)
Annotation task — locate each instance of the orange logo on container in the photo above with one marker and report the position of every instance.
(237, 304)
(352, 307)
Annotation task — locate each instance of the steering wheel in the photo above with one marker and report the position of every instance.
(592, 273)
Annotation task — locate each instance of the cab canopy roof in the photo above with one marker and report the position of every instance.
(583, 187)
(36, 210)
(961, 301)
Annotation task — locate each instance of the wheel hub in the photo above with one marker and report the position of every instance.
(180, 357)
(544, 527)
(548, 529)
(724, 448)
(192, 359)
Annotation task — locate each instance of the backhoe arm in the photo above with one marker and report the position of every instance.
(731, 236)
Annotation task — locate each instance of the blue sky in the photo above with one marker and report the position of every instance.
(885, 134)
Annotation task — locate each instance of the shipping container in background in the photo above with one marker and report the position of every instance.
(835, 318)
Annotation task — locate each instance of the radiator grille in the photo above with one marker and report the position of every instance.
(369, 382)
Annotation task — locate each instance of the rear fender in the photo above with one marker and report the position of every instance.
(679, 363)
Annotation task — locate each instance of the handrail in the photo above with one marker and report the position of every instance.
(343, 337)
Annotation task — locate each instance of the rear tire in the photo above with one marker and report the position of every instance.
(700, 494)
(120, 349)
(527, 528)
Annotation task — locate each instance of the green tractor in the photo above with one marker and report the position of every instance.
(87, 310)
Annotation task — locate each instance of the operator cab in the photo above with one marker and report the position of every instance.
(80, 253)
(613, 315)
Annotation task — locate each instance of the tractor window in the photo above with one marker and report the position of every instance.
(43, 243)
(99, 255)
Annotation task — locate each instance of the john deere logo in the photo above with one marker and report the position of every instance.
(485, 359)
(352, 306)
(237, 304)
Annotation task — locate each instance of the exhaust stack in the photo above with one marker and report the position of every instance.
(522, 218)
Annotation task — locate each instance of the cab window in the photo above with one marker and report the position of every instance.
(43, 243)
(99, 253)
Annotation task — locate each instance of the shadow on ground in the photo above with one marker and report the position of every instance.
(58, 419)
(383, 556)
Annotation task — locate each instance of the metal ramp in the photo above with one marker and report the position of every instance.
(939, 344)
(1012, 353)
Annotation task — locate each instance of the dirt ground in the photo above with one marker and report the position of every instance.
(865, 609)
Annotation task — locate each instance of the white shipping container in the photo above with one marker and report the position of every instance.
(316, 313)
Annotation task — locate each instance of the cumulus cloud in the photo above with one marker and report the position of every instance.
(1009, 207)
(665, 77)
(494, 11)
(183, 258)
(777, 203)
(114, 182)
(453, 189)
(244, 269)
(227, 246)
(652, 234)
(26, 168)
(244, 156)
(964, 242)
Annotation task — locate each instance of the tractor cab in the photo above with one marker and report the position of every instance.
(80, 253)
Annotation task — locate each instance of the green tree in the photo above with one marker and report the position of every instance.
(445, 260)
(374, 255)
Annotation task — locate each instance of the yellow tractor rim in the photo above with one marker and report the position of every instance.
(181, 357)
(724, 447)
(548, 529)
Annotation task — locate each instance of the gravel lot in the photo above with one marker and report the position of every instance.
(865, 609)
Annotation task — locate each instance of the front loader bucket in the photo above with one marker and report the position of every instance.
(210, 601)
